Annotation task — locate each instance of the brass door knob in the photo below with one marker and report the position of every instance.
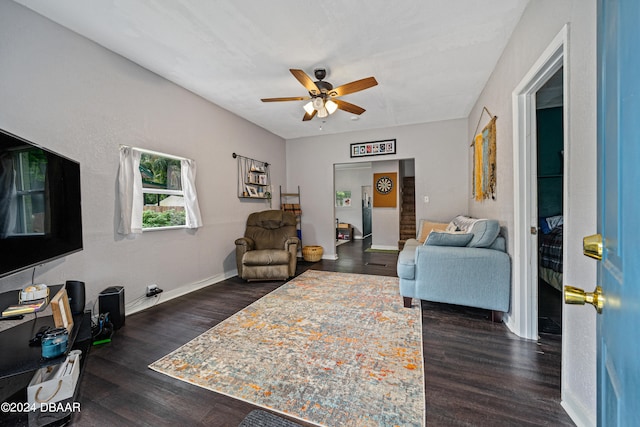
(592, 246)
(573, 295)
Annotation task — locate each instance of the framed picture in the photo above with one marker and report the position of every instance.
(253, 192)
(62, 316)
(373, 148)
(385, 190)
(343, 198)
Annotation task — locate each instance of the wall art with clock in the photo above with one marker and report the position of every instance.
(385, 190)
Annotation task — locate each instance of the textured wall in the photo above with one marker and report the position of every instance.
(540, 23)
(440, 151)
(76, 98)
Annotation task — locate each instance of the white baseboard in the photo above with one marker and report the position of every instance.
(385, 247)
(577, 411)
(140, 305)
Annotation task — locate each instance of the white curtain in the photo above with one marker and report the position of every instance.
(130, 191)
(191, 207)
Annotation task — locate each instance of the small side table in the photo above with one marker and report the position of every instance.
(344, 231)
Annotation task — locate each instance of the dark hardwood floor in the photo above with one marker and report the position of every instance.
(477, 372)
(549, 308)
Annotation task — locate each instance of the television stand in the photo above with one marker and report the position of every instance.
(19, 362)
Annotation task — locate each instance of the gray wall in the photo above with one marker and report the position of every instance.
(76, 98)
(385, 221)
(440, 151)
(541, 22)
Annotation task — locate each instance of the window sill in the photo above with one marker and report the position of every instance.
(175, 227)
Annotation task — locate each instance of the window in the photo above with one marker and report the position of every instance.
(156, 191)
(163, 198)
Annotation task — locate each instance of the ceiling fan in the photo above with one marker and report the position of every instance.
(323, 96)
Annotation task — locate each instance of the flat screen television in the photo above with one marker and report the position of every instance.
(40, 205)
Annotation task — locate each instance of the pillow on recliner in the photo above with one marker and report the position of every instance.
(448, 238)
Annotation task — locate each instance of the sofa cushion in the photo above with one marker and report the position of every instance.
(266, 257)
(499, 244)
(426, 226)
(484, 231)
(448, 238)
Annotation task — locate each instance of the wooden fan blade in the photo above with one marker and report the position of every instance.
(290, 98)
(352, 87)
(308, 116)
(349, 107)
(306, 81)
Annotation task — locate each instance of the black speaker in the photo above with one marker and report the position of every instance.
(111, 301)
(75, 292)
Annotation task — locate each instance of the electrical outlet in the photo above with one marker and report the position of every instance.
(153, 290)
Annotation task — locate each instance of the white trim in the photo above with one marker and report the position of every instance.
(162, 191)
(385, 247)
(139, 304)
(169, 227)
(523, 319)
(156, 153)
(578, 413)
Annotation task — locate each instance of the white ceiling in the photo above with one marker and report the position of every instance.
(431, 58)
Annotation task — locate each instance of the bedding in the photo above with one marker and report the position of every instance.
(550, 259)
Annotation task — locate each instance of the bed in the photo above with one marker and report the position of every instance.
(550, 246)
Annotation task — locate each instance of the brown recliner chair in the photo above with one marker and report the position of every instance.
(269, 248)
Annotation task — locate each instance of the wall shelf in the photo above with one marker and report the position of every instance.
(254, 181)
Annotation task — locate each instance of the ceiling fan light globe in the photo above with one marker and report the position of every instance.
(318, 103)
(308, 107)
(331, 106)
(322, 113)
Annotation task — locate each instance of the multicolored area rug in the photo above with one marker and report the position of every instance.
(332, 349)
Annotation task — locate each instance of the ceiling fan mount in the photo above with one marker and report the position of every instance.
(324, 87)
(323, 96)
(320, 73)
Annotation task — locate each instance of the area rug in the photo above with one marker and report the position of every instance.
(332, 349)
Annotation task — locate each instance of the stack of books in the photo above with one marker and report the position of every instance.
(26, 308)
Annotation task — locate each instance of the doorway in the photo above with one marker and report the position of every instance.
(523, 318)
(350, 208)
(549, 201)
(366, 193)
(362, 219)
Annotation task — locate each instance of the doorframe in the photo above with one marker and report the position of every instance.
(523, 319)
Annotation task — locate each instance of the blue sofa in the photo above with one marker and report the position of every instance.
(464, 264)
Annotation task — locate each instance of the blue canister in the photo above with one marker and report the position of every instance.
(54, 342)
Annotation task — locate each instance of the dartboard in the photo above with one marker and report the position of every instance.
(384, 185)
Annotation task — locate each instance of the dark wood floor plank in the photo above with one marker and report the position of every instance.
(476, 372)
